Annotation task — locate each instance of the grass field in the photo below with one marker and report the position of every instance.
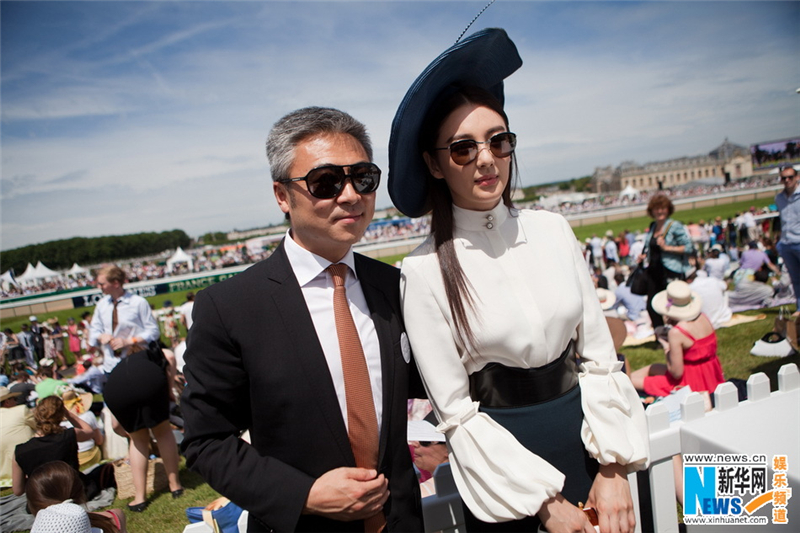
(685, 215)
(166, 515)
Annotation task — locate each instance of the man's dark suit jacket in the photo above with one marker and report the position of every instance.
(253, 361)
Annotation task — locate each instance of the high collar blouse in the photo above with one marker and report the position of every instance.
(532, 293)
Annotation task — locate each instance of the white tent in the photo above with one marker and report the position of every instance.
(76, 270)
(42, 272)
(628, 192)
(180, 257)
(29, 276)
(8, 279)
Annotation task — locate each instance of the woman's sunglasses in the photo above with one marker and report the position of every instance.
(328, 182)
(464, 152)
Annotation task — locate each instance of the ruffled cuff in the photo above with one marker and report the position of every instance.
(497, 477)
(614, 427)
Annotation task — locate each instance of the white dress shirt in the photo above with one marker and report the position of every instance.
(317, 286)
(532, 295)
(133, 314)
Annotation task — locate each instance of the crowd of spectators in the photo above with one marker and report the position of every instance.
(208, 258)
(614, 200)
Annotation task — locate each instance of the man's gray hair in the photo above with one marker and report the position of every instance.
(299, 125)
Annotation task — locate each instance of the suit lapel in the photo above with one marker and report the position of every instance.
(381, 314)
(296, 320)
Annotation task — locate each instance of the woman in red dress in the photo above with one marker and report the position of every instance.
(690, 348)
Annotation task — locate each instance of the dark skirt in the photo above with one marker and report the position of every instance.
(551, 430)
(137, 392)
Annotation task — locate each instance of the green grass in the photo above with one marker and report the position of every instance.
(166, 515)
(683, 215)
(734, 346)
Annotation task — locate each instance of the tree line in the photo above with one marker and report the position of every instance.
(61, 254)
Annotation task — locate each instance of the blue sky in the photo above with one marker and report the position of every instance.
(121, 117)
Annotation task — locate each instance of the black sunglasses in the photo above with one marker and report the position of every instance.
(328, 181)
(464, 152)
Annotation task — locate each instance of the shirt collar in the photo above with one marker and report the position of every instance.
(124, 298)
(308, 265)
(492, 221)
(795, 193)
(469, 220)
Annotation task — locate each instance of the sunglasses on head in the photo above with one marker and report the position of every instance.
(328, 181)
(464, 152)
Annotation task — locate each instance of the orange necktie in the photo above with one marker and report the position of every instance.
(362, 422)
(114, 320)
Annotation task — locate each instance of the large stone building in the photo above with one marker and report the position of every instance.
(728, 161)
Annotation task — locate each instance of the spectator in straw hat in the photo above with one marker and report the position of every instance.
(16, 426)
(608, 301)
(88, 450)
(690, 349)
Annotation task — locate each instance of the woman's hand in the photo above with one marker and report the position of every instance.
(662, 243)
(611, 498)
(560, 516)
(83, 431)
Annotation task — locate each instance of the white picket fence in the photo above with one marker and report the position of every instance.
(766, 423)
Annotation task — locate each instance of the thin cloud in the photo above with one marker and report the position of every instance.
(168, 104)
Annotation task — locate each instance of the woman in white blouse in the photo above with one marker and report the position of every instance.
(496, 303)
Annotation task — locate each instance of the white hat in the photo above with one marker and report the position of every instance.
(423, 431)
(678, 302)
(32, 318)
(5, 393)
(64, 517)
(607, 298)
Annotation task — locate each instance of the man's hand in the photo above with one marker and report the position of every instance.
(347, 494)
(105, 338)
(611, 498)
(118, 344)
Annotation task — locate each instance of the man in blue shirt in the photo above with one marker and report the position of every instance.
(788, 202)
(633, 303)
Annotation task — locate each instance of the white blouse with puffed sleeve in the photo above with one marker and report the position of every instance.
(532, 293)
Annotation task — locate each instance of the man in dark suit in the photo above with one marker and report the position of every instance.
(265, 354)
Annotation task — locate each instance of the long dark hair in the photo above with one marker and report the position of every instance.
(56, 482)
(440, 201)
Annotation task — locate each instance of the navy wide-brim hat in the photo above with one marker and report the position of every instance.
(484, 60)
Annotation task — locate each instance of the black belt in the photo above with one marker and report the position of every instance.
(497, 385)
